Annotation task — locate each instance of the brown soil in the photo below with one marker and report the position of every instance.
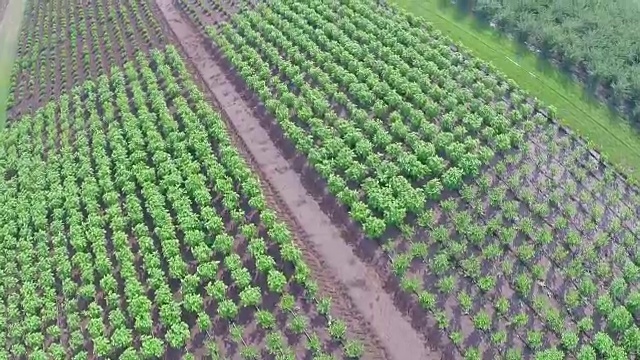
(383, 328)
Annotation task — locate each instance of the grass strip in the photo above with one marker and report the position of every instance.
(607, 132)
(9, 31)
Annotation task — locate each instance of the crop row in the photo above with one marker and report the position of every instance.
(396, 182)
(211, 12)
(380, 165)
(133, 228)
(63, 42)
(396, 121)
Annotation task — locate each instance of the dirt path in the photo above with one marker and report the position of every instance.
(363, 286)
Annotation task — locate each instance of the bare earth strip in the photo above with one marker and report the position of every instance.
(363, 286)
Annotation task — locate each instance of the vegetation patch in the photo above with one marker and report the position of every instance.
(62, 43)
(132, 228)
(493, 218)
(594, 40)
(610, 134)
(138, 222)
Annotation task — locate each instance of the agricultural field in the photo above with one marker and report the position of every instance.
(503, 227)
(65, 42)
(133, 228)
(322, 179)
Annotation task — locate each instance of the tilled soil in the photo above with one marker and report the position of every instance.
(358, 292)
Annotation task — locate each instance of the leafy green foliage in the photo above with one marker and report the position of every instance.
(585, 46)
(158, 203)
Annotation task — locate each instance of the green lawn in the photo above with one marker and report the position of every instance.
(609, 134)
(9, 30)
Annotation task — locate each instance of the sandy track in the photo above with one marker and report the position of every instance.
(366, 306)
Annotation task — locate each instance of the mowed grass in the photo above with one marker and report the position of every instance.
(608, 133)
(9, 30)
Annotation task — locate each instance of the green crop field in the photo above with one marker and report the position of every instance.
(612, 135)
(203, 191)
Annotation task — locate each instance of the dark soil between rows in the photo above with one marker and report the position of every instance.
(358, 292)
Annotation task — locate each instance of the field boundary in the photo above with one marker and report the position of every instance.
(607, 132)
(10, 23)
